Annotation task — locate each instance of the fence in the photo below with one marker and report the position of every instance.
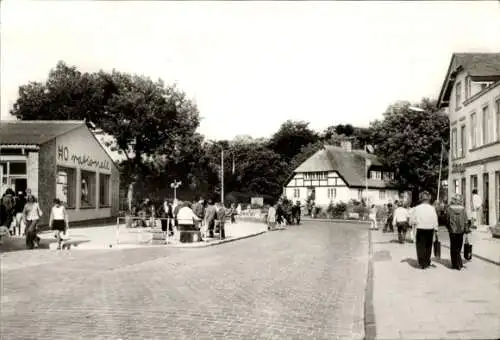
(141, 230)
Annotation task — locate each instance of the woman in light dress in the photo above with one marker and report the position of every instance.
(31, 215)
(372, 216)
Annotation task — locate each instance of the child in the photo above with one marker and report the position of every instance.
(58, 221)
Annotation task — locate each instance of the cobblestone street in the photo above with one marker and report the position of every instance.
(304, 282)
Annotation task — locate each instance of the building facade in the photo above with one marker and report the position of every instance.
(340, 174)
(471, 95)
(59, 159)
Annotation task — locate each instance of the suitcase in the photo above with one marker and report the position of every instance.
(437, 247)
(467, 249)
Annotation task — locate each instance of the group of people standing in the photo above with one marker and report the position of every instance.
(20, 215)
(423, 222)
(203, 216)
(283, 213)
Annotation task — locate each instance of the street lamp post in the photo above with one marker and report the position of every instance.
(222, 176)
(174, 185)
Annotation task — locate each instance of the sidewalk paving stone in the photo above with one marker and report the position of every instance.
(410, 303)
(483, 244)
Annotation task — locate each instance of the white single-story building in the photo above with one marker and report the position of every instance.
(340, 174)
(59, 159)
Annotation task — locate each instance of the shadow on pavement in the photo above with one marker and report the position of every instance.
(411, 262)
(19, 244)
(443, 262)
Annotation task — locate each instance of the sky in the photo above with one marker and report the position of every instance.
(252, 65)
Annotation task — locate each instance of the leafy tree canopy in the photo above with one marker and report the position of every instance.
(410, 141)
(291, 137)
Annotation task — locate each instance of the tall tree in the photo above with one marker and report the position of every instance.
(410, 141)
(291, 137)
(145, 117)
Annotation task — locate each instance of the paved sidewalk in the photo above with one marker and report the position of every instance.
(106, 237)
(484, 246)
(410, 303)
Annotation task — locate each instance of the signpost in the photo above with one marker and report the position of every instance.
(174, 185)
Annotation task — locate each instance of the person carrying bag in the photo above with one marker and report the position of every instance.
(458, 225)
(467, 249)
(437, 246)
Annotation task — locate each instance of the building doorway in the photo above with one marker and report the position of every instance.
(486, 202)
(20, 184)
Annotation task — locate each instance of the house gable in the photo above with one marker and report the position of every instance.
(79, 147)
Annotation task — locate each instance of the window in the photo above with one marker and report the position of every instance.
(66, 186)
(332, 193)
(296, 193)
(454, 143)
(462, 187)
(497, 190)
(360, 194)
(13, 175)
(88, 184)
(104, 190)
(473, 130)
(456, 186)
(463, 140)
(458, 95)
(497, 105)
(17, 168)
(376, 175)
(316, 175)
(467, 87)
(381, 194)
(486, 125)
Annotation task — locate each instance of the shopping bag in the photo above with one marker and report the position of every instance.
(437, 247)
(467, 249)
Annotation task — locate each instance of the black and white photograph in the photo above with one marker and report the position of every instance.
(249, 170)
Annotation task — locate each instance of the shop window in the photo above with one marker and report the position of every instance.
(66, 186)
(104, 190)
(88, 186)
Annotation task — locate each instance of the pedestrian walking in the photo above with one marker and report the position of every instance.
(20, 202)
(425, 220)
(59, 221)
(372, 216)
(456, 223)
(296, 212)
(221, 217)
(401, 221)
(271, 217)
(31, 215)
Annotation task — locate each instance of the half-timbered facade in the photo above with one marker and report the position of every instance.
(340, 174)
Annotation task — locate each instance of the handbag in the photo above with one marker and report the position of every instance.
(437, 247)
(467, 249)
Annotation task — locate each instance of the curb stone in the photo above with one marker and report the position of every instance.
(370, 328)
(335, 221)
(210, 244)
(485, 259)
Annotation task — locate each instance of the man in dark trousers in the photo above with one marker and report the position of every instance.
(210, 216)
(296, 212)
(221, 216)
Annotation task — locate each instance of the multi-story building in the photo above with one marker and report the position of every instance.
(471, 94)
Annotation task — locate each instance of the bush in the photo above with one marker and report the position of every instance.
(336, 210)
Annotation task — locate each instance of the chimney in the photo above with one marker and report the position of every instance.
(346, 145)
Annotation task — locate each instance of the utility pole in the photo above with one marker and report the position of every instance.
(222, 176)
(174, 185)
